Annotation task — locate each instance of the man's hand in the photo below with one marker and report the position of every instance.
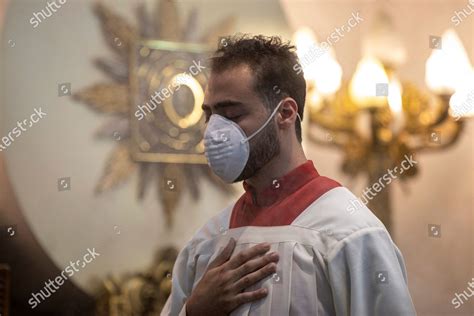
(221, 289)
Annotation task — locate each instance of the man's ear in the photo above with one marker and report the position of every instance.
(288, 113)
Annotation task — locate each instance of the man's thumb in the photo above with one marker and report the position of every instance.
(224, 255)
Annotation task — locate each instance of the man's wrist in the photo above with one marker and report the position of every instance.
(188, 307)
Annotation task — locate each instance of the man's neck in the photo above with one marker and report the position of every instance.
(277, 167)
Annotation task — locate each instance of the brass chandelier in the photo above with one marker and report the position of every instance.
(378, 120)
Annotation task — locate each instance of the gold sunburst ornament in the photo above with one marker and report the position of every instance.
(153, 102)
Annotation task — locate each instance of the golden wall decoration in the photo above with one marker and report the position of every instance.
(165, 145)
(169, 78)
(141, 293)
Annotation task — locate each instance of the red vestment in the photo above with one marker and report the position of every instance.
(281, 202)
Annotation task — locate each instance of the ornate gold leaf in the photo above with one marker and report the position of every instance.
(223, 28)
(119, 34)
(192, 176)
(118, 169)
(167, 25)
(145, 27)
(106, 98)
(146, 174)
(115, 69)
(115, 99)
(170, 193)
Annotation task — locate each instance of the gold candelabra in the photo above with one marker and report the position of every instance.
(378, 121)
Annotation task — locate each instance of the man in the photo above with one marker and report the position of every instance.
(288, 246)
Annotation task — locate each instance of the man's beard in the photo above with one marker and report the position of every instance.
(263, 148)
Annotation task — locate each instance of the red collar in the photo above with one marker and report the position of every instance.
(281, 187)
(283, 201)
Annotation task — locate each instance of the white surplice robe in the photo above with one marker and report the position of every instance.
(332, 262)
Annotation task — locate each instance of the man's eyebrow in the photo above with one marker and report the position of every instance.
(222, 104)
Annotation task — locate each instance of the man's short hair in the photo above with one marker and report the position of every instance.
(272, 63)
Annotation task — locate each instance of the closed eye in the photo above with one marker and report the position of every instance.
(235, 118)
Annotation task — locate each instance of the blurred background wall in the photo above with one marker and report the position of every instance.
(126, 232)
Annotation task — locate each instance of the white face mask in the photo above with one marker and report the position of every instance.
(227, 147)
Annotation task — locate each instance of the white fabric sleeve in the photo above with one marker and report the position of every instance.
(182, 282)
(368, 277)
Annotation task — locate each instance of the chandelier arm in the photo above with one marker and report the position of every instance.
(441, 118)
(327, 123)
(316, 140)
(427, 146)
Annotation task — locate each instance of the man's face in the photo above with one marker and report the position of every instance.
(231, 94)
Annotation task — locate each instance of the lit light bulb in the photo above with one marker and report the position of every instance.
(362, 87)
(449, 67)
(395, 103)
(462, 102)
(318, 63)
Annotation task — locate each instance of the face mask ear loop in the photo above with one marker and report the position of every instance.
(299, 117)
(265, 124)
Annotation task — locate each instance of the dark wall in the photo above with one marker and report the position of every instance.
(30, 266)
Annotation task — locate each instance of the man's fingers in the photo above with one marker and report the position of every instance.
(247, 297)
(253, 265)
(252, 278)
(224, 255)
(248, 254)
